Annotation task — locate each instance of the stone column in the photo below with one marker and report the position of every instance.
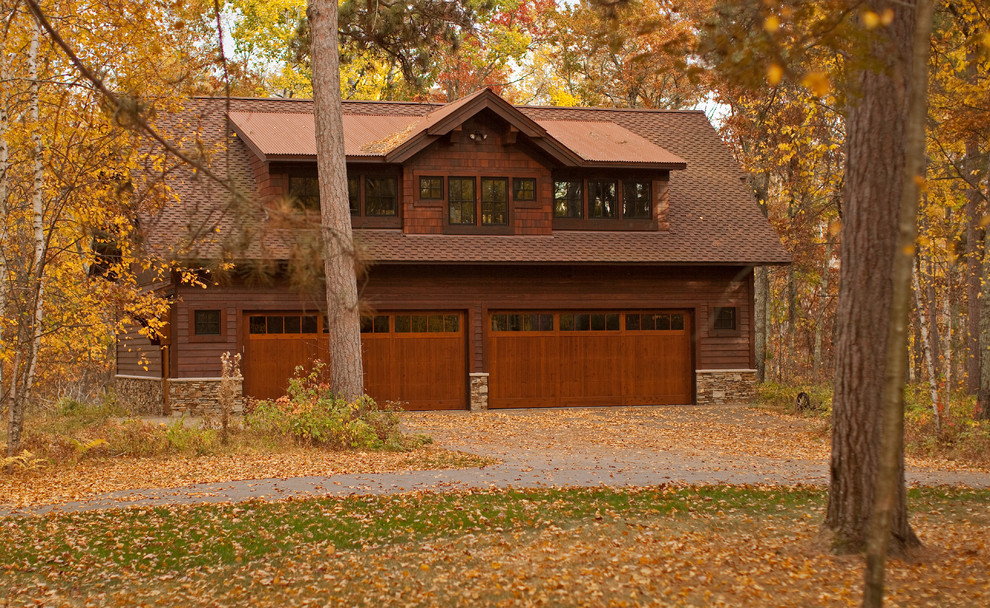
(479, 391)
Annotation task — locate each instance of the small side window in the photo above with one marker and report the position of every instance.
(430, 188)
(724, 318)
(207, 322)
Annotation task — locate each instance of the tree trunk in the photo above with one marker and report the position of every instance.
(974, 253)
(876, 129)
(761, 289)
(983, 397)
(761, 286)
(886, 531)
(931, 301)
(816, 362)
(4, 207)
(925, 335)
(30, 323)
(344, 322)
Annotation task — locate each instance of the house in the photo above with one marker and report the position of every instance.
(523, 257)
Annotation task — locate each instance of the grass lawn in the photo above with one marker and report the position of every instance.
(678, 546)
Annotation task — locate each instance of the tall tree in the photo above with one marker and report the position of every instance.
(867, 381)
(344, 322)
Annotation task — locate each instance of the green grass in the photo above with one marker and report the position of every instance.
(184, 537)
(496, 544)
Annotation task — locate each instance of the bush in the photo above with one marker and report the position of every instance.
(310, 413)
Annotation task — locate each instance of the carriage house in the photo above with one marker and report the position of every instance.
(522, 257)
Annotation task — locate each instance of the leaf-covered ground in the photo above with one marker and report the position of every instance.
(666, 546)
(730, 432)
(88, 478)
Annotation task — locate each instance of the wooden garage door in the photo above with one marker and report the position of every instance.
(417, 358)
(552, 359)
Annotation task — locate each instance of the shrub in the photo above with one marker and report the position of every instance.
(310, 413)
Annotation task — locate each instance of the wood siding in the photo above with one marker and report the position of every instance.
(477, 290)
(136, 355)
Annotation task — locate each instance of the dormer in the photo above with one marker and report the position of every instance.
(478, 165)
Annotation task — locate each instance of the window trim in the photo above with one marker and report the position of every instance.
(220, 337)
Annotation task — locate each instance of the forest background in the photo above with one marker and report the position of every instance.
(71, 207)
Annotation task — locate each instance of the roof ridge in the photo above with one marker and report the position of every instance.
(440, 104)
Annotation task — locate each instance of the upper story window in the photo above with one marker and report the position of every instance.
(381, 196)
(599, 199)
(431, 188)
(461, 200)
(494, 201)
(637, 199)
(568, 199)
(602, 199)
(305, 191)
(524, 188)
(354, 195)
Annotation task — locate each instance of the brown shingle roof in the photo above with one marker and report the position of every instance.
(712, 216)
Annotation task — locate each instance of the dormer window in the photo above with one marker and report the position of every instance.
(304, 190)
(380, 196)
(568, 199)
(637, 200)
(602, 199)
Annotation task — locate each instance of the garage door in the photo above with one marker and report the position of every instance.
(552, 359)
(418, 358)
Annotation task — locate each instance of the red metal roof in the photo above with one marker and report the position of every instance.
(607, 142)
(293, 134)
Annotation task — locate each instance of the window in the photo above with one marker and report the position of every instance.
(461, 200)
(724, 318)
(654, 321)
(305, 191)
(380, 196)
(524, 189)
(522, 322)
(354, 195)
(431, 188)
(589, 321)
(494, 200)
(427, 323)
(282, 324)
(207, 323)
(637, 201)
(375, 325)
(568, 199)
(602, 197)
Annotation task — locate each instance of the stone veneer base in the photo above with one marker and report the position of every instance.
(140, 395)
(479, 391)
(198, 396)
(723, 386)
